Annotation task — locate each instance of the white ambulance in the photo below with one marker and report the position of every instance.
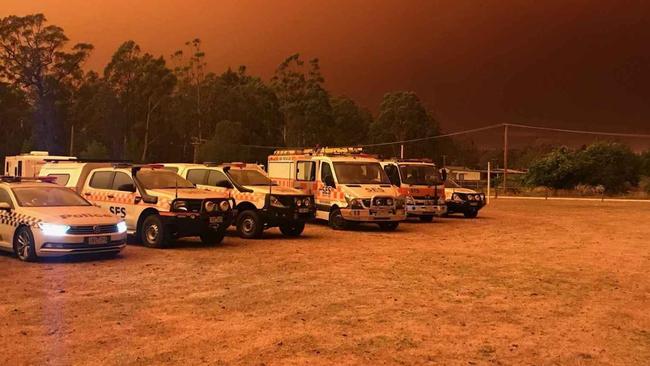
(349, 187)
(42, 219)
(260, 203)
(420, 184)
(157, 205)
(29, 164)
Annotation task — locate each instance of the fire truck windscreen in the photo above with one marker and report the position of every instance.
(162, 179)
(48, 197)
(360, 173)
(249, 177)
(420, 175)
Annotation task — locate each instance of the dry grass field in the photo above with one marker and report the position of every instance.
(528, 282)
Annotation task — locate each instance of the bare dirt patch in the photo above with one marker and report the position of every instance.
(528, 282)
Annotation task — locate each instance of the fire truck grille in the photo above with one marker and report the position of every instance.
(92, 229)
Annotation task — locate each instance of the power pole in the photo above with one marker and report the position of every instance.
(72, 140)
(505, 158)
(401, 151)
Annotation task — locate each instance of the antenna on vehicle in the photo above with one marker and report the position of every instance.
(176, 186)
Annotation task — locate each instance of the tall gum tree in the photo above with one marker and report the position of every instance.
(33, 56)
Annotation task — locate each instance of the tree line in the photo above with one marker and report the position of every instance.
(144, 107)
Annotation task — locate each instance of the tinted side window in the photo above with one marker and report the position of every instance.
(121, 179)
(217, 179)
(198, 176)
(393, 174)
(171, 169)
(306, 170)
(4, 197)
(102, 180)
(325, 170)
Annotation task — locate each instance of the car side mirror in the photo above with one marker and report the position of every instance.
(329, 181)
(4, 206)
(128, 187)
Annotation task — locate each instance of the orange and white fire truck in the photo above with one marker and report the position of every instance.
(157, 205)
(260, 203)
(348, 186)
(421, 185)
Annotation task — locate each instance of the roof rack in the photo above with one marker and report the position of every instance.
(82, 160)
(13, 179)
(415, 160)
(321, 151)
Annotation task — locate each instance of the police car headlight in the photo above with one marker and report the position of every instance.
(275, 202)
(179, 205)
(224, 205)
(209, 206)
(306, 202)
(53, 229)
(470, 197)
(121, 227)
(410, 200)
(455, 197)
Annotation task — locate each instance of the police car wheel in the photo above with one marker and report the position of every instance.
(426, 218)
(24, 245)
(388, 226)
(292, 229)
(213, 237)
(336, 221)
(250, 225)
(153, 233)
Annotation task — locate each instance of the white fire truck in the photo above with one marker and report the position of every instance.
(421, 185)
(260, 203)
(349, 187)
(157, 205)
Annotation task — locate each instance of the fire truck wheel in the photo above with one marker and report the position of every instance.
(337, 222)
(293, 228)
(426, 218)
(24, 245)
(153, 233)
(388, 226)
(470, 214)
(213, 237)
(250, 225)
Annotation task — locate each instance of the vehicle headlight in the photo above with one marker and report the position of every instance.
(410, 200)
(470, 197)
(455, 197)
(179, 205)
(275, 201)
(121, 227)
(299, 202)
(389, 201)
(209, 206)
(477, 197)
(224, 205)
(53, 229)
(306, 202)
(356, 204)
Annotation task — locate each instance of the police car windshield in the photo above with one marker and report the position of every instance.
(360, 173)
(47, 197)
(249, 177)
(162, 179)
(422, 175)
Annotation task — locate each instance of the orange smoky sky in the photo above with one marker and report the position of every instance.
(557, 63)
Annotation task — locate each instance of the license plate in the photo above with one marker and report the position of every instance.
(473, 203)
(98, 240)
(216, 219)
(303, 210)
